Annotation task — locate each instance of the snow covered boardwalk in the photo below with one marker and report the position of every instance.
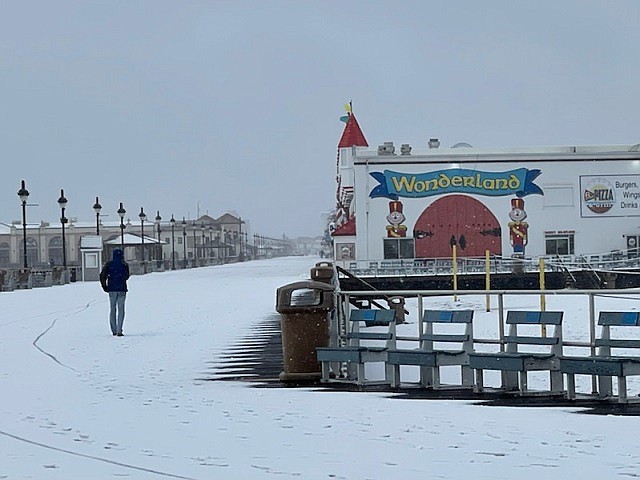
(76, 402)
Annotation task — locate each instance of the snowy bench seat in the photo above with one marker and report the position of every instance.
(362, 346)
(604, 365)
(515, 362)
(430, 359)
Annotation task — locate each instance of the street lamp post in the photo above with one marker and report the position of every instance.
(121, 214)
(202, 253)
(157, 222)
(142, 217)
(210, 242)
(62, 201)
(195, 251)
(23, 193)
(173, 243)
(240, 252)
(225, 250)
(184, 243)
(96, 208)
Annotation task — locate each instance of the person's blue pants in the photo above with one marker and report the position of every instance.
(116, 317)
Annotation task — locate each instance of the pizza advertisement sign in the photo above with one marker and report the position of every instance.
(610, 195)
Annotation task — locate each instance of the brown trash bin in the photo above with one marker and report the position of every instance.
(322, 272)
(304, 307)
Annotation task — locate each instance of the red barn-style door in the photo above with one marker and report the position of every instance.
(460, 219)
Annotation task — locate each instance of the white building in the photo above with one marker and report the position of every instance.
(522, 202)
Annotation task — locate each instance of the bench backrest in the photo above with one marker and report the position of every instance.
(447, 317)
(369, 317)
(608, 320)
(516, 319)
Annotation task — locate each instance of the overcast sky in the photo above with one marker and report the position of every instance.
(235, 105)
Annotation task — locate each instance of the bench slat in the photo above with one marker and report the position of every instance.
(439, 337)
(372, 316)
(617, 343)
(619, 318)
(369, 336)
(534, 317)
(531, 340)
(447, 316)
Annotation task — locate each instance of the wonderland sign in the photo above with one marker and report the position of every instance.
(517, 182)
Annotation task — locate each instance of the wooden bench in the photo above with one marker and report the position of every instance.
(356, 353)
(514, 362)
(430, 359)
(604, 365)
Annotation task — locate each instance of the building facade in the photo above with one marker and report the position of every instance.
(573, 201)
(202, 238)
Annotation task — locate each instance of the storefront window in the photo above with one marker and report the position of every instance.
(559, 244)
(395, 248)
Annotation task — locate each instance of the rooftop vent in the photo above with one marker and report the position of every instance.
(461, 145)
(386, 148)
(434, 143)
(405, 149)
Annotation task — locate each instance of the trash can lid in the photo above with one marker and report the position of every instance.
(304, 296)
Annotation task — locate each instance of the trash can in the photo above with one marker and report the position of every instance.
(322, 272)
(397, 304)
(304, 307)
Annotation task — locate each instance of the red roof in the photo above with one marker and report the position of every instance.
(352, 135)
(347, 228)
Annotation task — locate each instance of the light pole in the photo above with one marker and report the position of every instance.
(210, 242)
(240, 252)
(173, 243)
(202, 252)
(121, 214)
(23, 193)
(184, 243)
(158, 218)
(225, 250)
(195, 257)
(143, 217)
(96, 208)
(62, 201)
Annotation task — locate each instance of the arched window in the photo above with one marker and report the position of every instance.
(55, 251)
(32, 252)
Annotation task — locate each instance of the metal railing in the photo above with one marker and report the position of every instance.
(346, 299)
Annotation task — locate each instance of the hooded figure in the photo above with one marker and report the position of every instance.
(115, 273)
(113, 279)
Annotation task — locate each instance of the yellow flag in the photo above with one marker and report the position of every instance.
(347, 107)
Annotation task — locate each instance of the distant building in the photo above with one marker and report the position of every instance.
(205, 237)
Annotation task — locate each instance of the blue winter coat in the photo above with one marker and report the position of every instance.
(115, 273)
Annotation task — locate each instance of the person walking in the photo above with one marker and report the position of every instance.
(113, 278)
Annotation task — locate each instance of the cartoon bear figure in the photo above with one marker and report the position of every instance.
(518, 228)
(395, 218)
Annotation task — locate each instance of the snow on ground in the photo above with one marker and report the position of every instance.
(77, 403)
